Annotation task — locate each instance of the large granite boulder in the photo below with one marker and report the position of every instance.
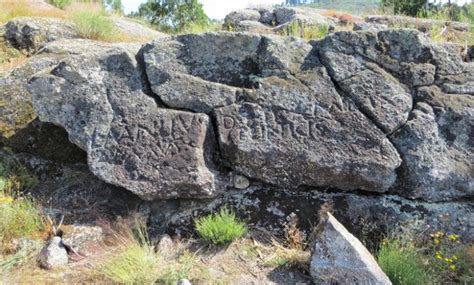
(267, 21)
(342, 113)
(340, 258)
(32, 33)
(419, 23)
(436, 145)
(97, 96)
(290, 128)
(381, 72)
(20, 130)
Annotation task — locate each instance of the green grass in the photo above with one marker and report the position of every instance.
(19, 215)
(94, 25)
(194, 28)
(305, 30)
(220, 228)
(18, 218)
(402, 263)
(135, 263)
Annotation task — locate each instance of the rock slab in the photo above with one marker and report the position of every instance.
(340, 258)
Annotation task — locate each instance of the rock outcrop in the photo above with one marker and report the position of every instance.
(266, 20)
(342, 113)
(420, 23)
(340, 258)
(263, 123)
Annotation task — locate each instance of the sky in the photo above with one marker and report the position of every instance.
(215, 9)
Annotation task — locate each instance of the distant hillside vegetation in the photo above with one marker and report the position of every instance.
(354, 6)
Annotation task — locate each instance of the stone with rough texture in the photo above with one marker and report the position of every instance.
(82, 237)
(53, 255)
(20, 130)
(184, 76)
(420, 23)
(33, 33)
(340, 258)
(265, 20)
(436, 145)
(134, 30)
(233, 19)
(334, 114)
(294, 130)
(240, 182)
(97, 97)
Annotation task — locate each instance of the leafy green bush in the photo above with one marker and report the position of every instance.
(94, 25)
(402, 263)
(220, 228)
(61, 4)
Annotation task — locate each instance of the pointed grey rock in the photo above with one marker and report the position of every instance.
(340, 258)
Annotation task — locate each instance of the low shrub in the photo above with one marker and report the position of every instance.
(451, 260)
(220, 228)
(402, 263)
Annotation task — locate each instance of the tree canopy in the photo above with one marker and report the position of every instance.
(174, 14)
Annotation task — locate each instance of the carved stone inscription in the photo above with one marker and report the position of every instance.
(158, 155)
(291, 149)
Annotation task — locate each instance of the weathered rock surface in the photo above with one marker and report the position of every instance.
(340, 258)
(135, 30)
(297, 130)
(420, 23)
(436, 145)
(337, 114)
(265, 20)
(20, 130)
(32, 33)
(97, 97)
(83, 238)
(53, 255)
